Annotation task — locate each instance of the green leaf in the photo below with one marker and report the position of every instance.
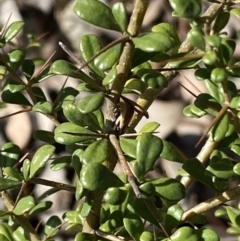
(215, 90)
(7, 184)
(213, 40)
(86, 9)
(15, 86)
(69, 133)
(169, 189)
(168, 30)
(134, 85)
(9, 155)
(236, 169)
(193, 111)
(26, 169)
(108, 58)
(218, 75)
(52, 226)
(39, 94)
(184, 233)
(40, 207)
(43, 107)
(146, 209)
(234, 215)
(190, 9)
(14, 98)
(62, 67)
(219, 131)
(149, 127)
(195, 168)
(16, 58)
(96, 152)
(5, 232)
(134, 225)
(147, 190)
(84, 237)
(153, 42)
(115, 196)
(153, 78)
(221, 170)
(13, 30)
(129, 146)
(28, 68)
(171, 153)
(173, 218)
(79, 190)
(45, 136)
(226, 51)
(60, 163)
(91, 103)
(120, 14)
(196, 39)
(221, 21)
(146, 236)
(89, 46)
(41, 156)
(65, 97)
(24, 205)
(236, 12)
(12, 173)
(96, 177)
(110, 77)
(20, 234)
(148, 151)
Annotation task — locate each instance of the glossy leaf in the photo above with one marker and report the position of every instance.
(171, 153)
(20, 234)
(9, 154)
(51, 227)
(218, 75)
(77, 160)
(24, 205)
(213, 40)
(108, 58)
(79, 190)
(28, 68)
(168, 30)
(41, 156)
(89, 46)
(66, 96)
(12, 174)
(43, 107)
(7, 184)
(84, 236)
(39, 94)
(190, 9)
(221, 170)
(149, 127)
(148, 151)
(173, 218)
(91, 103)
(15, 86)
(26, 169)
(169, 189)
(40, 207)
(234, 215)
(45, 136)
(16, 57)
(129, 146)
(221, 21)
(226, 50)
(153, 78)
(110, 77)
(115, 196)
(135, 85)
(134, 225)
(215, 90)
(69, 133)
(219, 131)
(60, 163)
(14, 98)
(96, 152)
(73, 114)
(13, 30)
(195, 168)
(120, 14)
(140, 207)
(95, 177)
(85, 10)
(195, 38)
(193, 111)
(153, 42)
(62, 67)
(146, 236)
(5, 232)
(236, 169)
(147, 190)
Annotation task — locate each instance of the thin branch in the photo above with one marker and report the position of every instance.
(212, 203)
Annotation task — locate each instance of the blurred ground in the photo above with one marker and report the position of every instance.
(55, 21)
